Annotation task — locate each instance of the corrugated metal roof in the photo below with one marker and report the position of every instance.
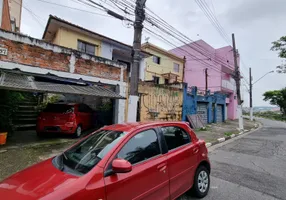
(25, 82)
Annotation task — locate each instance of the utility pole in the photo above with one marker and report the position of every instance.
(206, 78)
(138, 26)
(237, 80)
(250, 95)
(184, 68)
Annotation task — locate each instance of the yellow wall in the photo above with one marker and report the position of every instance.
(69, 38)
(164, 99)
(166, 66)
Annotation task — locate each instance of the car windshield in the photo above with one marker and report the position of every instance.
(86, 154)
(59, 108)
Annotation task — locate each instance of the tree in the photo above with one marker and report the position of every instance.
(278, 98)
(280, 46)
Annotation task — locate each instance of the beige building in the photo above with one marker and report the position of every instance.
(162, 67)
(15, 14)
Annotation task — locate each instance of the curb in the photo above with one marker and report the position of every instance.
(223, 139)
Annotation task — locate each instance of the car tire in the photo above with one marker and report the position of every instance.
(201, 182)
(78, 131)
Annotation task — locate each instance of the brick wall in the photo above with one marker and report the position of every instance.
(22, 53)
(36, 53)
(91, 68)
(6, 23)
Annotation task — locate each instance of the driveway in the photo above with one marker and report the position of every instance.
(251, 166)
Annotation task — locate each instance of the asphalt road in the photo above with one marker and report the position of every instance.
(250, 167)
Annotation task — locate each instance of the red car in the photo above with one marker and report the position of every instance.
(64, 118)
(156, 160)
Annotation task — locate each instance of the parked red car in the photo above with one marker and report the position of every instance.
(64, 118)
(120, 162)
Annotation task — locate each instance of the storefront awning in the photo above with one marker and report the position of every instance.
(28, 82)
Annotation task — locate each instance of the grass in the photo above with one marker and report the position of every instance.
(228, 134)
(202, 129)
(271, 115)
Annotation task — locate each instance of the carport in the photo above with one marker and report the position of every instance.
(29, 82)
(48, 83)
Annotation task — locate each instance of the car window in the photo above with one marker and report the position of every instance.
(141, 147)
(175, 137)
(85, 155)
(59, 108)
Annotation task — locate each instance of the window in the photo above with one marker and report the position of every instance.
(175, 137)
(156, 79)
(86, 47)
(59, 108)
(157, 60)
(176, 67)
(85, 155)
(166, 81)
(141, 147)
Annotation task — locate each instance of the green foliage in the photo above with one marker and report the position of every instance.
(277, 98)
(8, 106)
(280, 46)
(228, 134)
(271, 115)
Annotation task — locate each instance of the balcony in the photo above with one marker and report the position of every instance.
(228, 85)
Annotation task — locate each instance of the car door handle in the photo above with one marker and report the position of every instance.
(162, 167)
(196, 150)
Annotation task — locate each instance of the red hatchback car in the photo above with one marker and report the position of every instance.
(64, 118)
(120, 162)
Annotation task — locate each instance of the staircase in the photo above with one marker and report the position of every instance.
(26, 115)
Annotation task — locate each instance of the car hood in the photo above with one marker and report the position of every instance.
(35, 182)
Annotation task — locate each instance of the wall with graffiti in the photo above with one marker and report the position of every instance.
(160, 102)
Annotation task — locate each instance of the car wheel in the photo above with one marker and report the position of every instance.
(201, 182)
(78, 131)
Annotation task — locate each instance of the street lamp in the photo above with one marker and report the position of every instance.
(250, 90)
(263, 76)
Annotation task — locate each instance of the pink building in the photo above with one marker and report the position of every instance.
(219, 64)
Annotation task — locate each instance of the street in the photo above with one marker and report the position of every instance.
(250, 167)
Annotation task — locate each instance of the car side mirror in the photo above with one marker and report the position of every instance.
(121, 166)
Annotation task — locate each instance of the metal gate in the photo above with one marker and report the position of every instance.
(202, 110)
(219, 114)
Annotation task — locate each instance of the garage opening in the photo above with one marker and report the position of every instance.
(52, 105)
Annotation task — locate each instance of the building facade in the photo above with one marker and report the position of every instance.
(30, 62)
(69, 35)
(162, 67)
(219, 64)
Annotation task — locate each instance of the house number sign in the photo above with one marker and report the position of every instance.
(3, 51)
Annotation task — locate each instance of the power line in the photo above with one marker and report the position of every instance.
(36, 17)
(208, 13)
(73, 8)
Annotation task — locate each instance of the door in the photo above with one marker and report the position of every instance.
(181, 159)
(149, 176)
(203, 111)
(219, 114)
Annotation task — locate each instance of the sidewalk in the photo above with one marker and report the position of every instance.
(213, 132)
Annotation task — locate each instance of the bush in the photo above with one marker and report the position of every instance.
(8, 106)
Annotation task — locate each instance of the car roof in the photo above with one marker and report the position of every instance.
(127, 127)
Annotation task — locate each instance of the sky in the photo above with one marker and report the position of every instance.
(256, 23)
